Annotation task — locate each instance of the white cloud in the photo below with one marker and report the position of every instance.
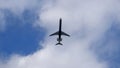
(86, 21)
(17, 7)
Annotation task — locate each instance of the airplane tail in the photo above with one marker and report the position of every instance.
(59, 44)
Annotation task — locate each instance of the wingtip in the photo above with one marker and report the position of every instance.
(68, 35)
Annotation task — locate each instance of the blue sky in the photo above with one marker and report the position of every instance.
(108, 47)
(112, 37)
(20, 36)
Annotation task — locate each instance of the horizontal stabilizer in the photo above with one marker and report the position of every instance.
(63, 33)
(59, 44)
(56, 33)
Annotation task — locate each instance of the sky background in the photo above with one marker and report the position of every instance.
(25, 26)
(20, 36)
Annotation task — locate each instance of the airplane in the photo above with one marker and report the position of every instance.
(59, 33)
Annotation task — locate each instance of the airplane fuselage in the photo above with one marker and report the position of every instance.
(59, 34)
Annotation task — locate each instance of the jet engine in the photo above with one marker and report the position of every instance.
(59, 39)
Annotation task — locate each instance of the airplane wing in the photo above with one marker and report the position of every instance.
(63, 33)
(56, 33)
